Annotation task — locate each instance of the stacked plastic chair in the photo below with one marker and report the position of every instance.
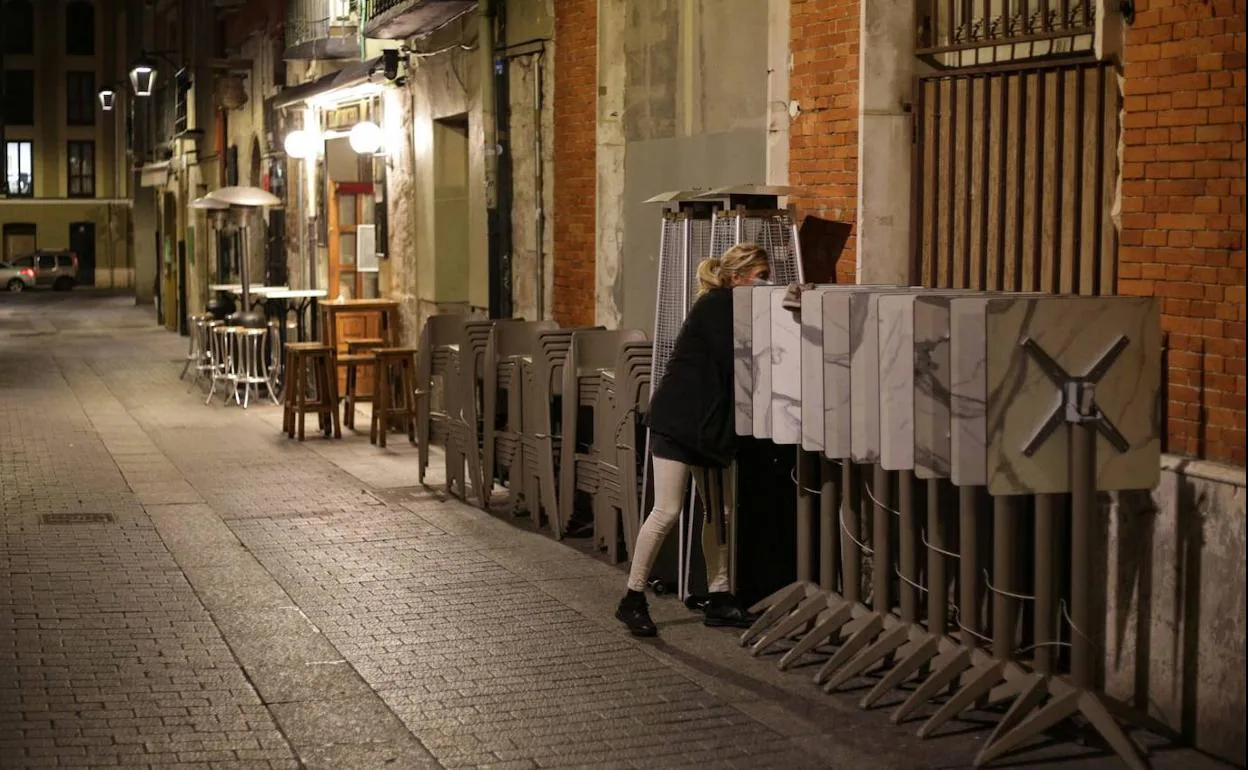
(543, 382)
(623, 394)
(589, 353)
(465, 431)
(501, 453)
(436, 357)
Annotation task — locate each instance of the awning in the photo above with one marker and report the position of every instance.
(353, 74)
(154, 174)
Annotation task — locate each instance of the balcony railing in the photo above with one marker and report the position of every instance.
(398, 19)
(322, 29)
(948, 30)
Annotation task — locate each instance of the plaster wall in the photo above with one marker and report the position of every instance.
(143, 244)
(1174, 633)
(685, 106)
(447, 83)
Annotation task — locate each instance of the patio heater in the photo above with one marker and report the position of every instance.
(242, 201)
(219, 305)
(697, 224)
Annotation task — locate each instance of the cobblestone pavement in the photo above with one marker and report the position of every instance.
(181, 586)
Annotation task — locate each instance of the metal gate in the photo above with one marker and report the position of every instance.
(1015, 181)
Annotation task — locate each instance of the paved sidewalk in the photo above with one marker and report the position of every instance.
(181, 586)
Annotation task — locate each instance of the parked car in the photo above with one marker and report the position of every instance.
(14, 278)
(57, 269)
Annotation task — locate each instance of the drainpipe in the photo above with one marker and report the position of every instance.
(500, 214)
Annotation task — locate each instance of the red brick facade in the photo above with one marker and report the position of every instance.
(1182, 234)
(575, 170)
(823, 140)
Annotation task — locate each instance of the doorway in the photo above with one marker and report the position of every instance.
(450, 208)
(82, 243)
(351, 275)
(170, 307)
(19, 239)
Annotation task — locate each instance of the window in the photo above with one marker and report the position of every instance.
(27, 261)
(19, 167)
(17, 20)
(47, 261)
(182, 87)
(80, 29)
(19, 97)
(64, 260)
(80, 98)
(82, 169)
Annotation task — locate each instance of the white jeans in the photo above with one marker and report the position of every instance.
(669, 493)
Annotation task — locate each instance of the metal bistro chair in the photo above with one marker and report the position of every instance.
(202, 327)
(251, 368)
(195, 348)
(221, 341)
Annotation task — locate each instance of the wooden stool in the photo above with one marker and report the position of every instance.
(359, 353)
(395, 366)
(314, 361)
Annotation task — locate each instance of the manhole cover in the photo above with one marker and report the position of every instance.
(77, 518)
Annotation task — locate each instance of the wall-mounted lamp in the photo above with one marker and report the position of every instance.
(143, 72)
(301, 143)
(365, 137)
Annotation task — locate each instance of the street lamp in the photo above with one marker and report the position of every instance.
(240, 200)
(108, 98)
(143, 76)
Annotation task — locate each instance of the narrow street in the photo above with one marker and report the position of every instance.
(182, 586)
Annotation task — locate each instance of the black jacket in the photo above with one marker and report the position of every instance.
(692, 407)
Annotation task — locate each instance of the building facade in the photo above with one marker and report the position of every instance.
(64, 181)
(494, 156)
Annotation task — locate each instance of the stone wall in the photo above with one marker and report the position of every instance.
(1174, 630)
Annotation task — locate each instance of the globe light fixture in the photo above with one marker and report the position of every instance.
(108, 98)
(143, 76)
(365, 137)
(300, 144)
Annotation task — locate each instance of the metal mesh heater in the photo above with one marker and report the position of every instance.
(775, 231)
(685, 242)
(696, 225)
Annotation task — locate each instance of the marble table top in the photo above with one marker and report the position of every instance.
(1114, 343)
(1001, 397)
(898, 383)
(743, 359)
(786, 372)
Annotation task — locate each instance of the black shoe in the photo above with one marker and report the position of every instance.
(634, 613)
(724, 611)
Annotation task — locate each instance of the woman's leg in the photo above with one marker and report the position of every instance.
(669, 492)
(714, 532)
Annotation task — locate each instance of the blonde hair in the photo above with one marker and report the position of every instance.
(718, 272)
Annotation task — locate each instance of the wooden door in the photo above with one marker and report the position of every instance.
(350, 205)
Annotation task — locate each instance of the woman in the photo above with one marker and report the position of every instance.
(691, 428)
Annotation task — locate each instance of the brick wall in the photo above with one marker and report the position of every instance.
(575, 172)
(823, 140)
(1183, 209)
